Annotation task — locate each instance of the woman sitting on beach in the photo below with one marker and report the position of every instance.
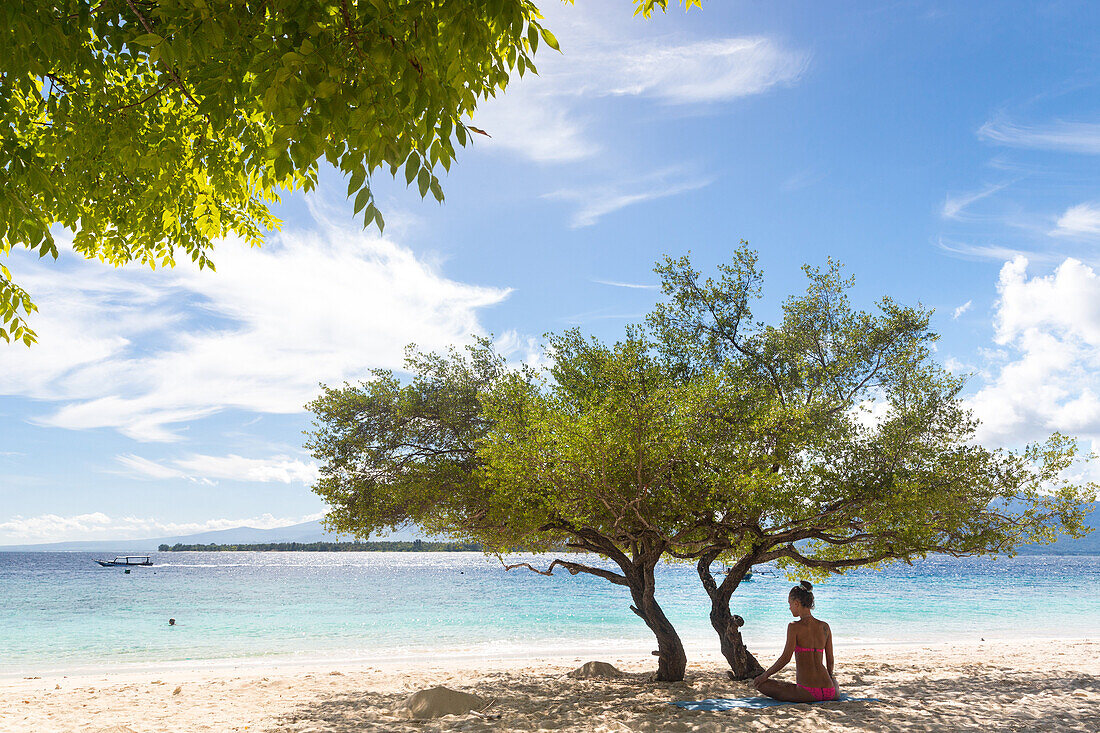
(807, 638)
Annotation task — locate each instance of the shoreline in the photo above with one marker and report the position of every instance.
(945, 685)
(698, 650)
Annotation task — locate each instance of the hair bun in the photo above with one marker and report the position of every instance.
(806, 584)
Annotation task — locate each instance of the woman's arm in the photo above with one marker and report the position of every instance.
(829, 651)
(784, 658)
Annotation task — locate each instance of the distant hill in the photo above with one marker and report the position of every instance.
(304, 532)
(313, 532)
(1087, 545)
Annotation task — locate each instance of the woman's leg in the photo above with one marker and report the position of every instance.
(784, 691)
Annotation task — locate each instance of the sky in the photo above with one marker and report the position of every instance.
(947, 153)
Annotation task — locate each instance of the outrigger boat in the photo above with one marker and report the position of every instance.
(127, 561)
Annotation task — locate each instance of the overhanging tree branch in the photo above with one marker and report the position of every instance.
(573, 568)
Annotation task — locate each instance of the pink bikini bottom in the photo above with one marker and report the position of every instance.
(820, 693)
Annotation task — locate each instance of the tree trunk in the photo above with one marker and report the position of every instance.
(743, 664)
(671, 657)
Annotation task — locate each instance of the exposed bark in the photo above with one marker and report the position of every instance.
(671, 657)
(638, 576)
(743, 665)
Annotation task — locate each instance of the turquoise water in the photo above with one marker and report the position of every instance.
(61, 611)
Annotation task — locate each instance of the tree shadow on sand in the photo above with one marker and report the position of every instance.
(983, 698)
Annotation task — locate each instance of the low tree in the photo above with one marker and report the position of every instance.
(827, 442)
(153, 128)
(589, 458)
(836, 441)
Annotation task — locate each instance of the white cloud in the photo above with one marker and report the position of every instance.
(140, 351)
(617, 284)
(1079, 220)
(531, 121)
(1066, 302)
(962, 309)
(139, 467)
(99, 526)
(207, 469)
(955, 366)
(539, 117)
(954, 206)
(522, 350)
(1071, 137)
(986, 251)
(704, 71)
(595, 202)
(803, 179)
(1049, 378)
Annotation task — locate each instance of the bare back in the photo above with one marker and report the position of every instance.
(811, 641)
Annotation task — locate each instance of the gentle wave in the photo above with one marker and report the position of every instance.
(61, 610)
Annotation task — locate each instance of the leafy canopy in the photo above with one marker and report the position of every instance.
(602, 444)
(837, 440)
(830, 440)
(153, 128)
(589, 456)
(827, 441)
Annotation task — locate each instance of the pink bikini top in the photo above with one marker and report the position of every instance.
(807, 649)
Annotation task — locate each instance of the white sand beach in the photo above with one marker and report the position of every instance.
(1002, 686)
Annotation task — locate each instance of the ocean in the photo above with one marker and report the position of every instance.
(61, 611)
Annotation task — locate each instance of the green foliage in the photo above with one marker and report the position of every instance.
(829, 440)
(383, 546)
(605, 442)
(153, 128)
(392, 453)
(646, 7)
(838, 441)
(608, 441)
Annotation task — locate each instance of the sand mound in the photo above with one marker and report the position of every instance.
(595, 670)
(439, 701)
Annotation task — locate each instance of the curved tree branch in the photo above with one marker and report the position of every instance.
(573, 568)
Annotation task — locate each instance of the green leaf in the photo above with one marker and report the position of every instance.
(357, 177)
(412, 165)
(220, 109)
(551, 41)
(362, 198)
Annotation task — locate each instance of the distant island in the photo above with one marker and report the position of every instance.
(413, 546)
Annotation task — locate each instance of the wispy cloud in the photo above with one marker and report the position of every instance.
(704, 71)
(141, 352)
(99, 526)
(803, 179)
(954, 206)
(1071, 137)
(1080, 220)
(595, 202)
(138, 467)
(207, 469)
(533, 122)
(617, 284)
(601, 314)
(962, 309)
(984, 251)
(542, 117)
